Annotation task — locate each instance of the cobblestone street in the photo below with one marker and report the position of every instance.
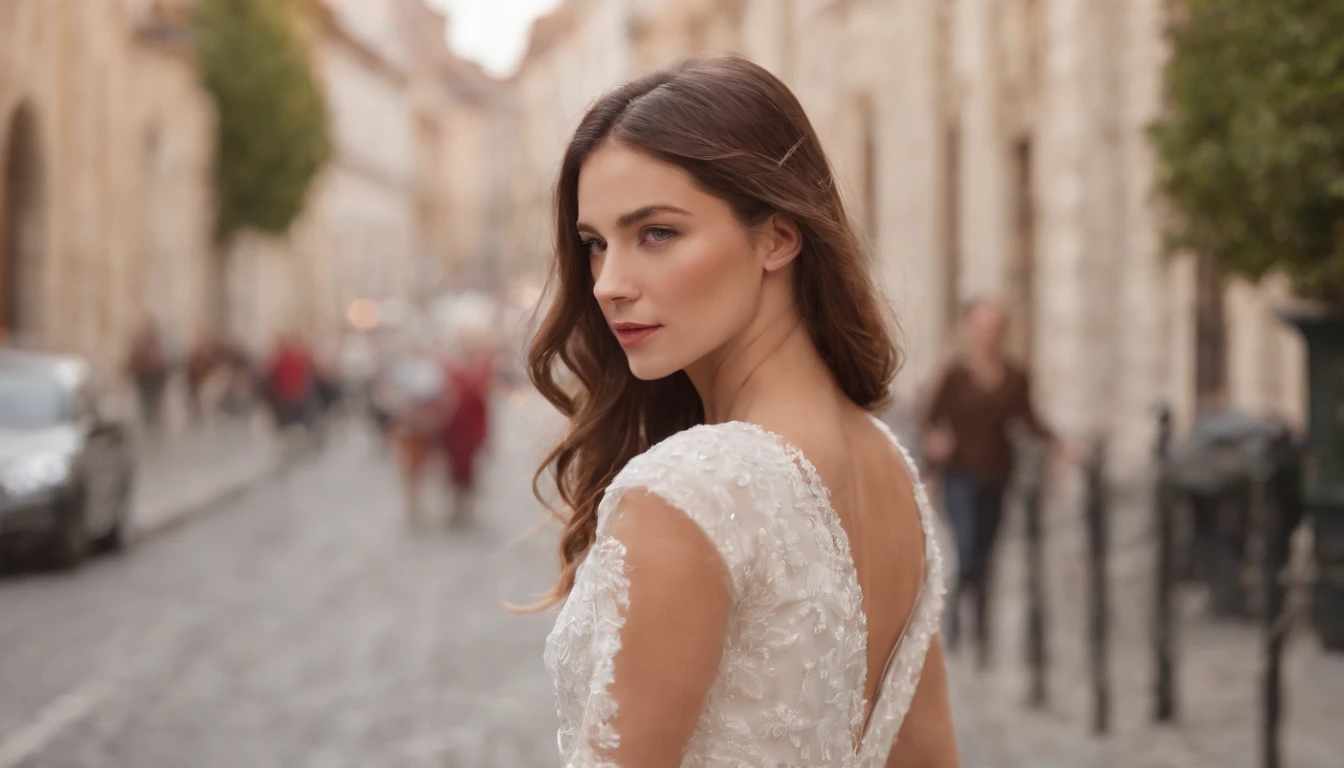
(303, 624)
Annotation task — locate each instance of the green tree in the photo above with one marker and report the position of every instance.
(1251, 148)
(271, 130)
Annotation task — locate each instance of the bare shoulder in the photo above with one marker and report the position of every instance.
(664, 541)
(835, 439)
(699, 488)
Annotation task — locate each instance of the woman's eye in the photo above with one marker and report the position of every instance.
(594, 247)
(659, 234)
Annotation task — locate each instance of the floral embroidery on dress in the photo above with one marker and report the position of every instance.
(790, 686)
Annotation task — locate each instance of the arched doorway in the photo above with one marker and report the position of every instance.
(22, 227)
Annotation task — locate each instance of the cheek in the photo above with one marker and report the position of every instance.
(708, 279)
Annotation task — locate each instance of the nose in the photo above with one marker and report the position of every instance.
(613, 281)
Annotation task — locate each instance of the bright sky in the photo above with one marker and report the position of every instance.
(493, 32)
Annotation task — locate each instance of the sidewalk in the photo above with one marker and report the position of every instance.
(1218, 671)
(189, 472)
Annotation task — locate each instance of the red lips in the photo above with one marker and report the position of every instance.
(630, 334)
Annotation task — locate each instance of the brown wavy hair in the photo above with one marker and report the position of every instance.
(744, 138)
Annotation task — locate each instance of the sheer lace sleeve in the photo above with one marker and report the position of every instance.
(656, 593)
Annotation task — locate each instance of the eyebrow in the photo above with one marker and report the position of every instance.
(638, 215)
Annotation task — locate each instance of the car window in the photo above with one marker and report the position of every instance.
(31, 400)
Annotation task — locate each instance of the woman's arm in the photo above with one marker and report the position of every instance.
(669, 643)
(1025, 409)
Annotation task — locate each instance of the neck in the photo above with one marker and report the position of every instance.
(773, 363)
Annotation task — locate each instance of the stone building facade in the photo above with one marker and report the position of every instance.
(355, 237)
(575, 53)
(398, 212)
(987, 148)
(86, 154)
(106, 215)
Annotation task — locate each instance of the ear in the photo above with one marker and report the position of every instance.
(780, 241)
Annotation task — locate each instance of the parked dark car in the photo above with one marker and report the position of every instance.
(66, 466)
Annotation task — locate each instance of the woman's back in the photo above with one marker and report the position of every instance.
(872, 493)
(800, 679)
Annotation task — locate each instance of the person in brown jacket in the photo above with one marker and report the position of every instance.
(980, 397)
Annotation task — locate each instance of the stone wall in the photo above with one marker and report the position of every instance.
(171, 138)
(116, 135)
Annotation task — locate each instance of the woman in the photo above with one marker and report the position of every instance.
(980, 397)
(748, 574)
(471, 377)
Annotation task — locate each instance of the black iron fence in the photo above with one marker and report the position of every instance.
(1225, 504)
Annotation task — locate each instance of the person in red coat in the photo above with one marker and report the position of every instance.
(289, 379)
(470, 380)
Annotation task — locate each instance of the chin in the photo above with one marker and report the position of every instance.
(648, 369)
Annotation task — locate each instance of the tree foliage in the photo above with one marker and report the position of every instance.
(271, 130)
(1251, 148)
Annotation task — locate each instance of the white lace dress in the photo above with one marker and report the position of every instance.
(790, 685)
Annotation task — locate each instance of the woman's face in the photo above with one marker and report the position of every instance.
(675, 272)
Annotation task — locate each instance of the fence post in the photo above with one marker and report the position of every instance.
(1037, 651)
(1272, 483)
(1229, 557)
(1099, 608)
(1164, 630)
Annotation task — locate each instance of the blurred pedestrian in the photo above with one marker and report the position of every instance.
(471, 377)
(381, 407)
(202, 362)
(415, 397)
(148, 369)
(326, 385)
(236, 366)
(357, 365)
(979, 398)
(290, 381)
